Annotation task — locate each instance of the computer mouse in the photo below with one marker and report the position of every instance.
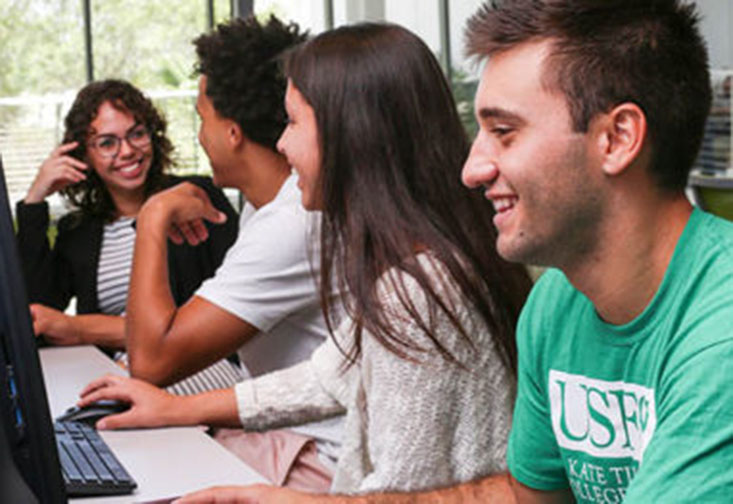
(92, 412)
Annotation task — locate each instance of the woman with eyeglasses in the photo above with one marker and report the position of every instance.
(114, 155)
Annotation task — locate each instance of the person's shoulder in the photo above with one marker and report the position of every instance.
(703, 288)
(715, 235)
(288, 198)
(77, 221)
(286, 210)
(416, 276)
(708, 267)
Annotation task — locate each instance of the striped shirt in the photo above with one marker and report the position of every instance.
(220, 375)
(115, 263)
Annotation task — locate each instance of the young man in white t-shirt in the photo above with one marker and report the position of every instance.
(263, 301)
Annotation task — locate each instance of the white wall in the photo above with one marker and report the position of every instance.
(717, 24)
(309, 14)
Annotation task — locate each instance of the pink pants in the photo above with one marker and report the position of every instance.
(282, 456)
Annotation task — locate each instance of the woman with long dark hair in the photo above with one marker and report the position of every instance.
(114, 155)
(422, 357)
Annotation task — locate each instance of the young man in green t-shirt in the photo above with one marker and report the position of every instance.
(591, 115)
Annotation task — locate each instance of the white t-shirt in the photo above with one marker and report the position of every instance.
(267, 279)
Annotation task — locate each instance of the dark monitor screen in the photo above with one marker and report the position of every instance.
(30, 466)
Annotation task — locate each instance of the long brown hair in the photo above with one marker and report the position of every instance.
(392, 148)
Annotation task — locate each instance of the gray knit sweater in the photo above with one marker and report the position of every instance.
(409, 425)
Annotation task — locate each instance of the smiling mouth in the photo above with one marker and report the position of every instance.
(130, 168)
(504, 204)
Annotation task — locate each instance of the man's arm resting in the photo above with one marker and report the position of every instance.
(150, 305)
(496, 489)
(166, 343)
(200, 334)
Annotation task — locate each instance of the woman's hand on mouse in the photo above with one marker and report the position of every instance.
(150, 406)
(56, 172)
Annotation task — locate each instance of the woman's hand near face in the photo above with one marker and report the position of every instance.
(57, 171)
(181, 211)
(150, 406)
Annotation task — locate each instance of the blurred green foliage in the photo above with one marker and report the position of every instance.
(148, 43)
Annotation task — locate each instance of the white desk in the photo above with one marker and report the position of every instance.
(164, 462)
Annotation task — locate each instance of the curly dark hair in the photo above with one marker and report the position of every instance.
(244, 79)
(91, 196)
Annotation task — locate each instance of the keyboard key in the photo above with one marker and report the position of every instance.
(72, 427)
(81, 462)
(114, 466)
(71, 473)
(96, 462)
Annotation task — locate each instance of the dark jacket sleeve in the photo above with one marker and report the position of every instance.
(54, 275)
(47, 277)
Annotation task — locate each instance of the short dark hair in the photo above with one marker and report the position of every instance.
(392, 148)
(244, 79)
(91, 195)
(603, 53)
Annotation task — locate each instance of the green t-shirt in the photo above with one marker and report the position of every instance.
(642, 411)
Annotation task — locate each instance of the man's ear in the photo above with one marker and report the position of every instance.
(621, 137)
(235, 134)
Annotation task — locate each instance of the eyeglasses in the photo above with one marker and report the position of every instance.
(108, 146)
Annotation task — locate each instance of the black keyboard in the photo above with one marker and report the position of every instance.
(88, 465)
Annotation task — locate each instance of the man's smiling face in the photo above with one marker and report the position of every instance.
(532, 165)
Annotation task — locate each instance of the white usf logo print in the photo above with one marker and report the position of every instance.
(601, 418)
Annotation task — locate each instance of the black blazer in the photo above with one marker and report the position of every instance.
(54, 276)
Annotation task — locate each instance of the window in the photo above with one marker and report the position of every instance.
(32, 84)
(310, 15)
(44, 64)
(464, 73)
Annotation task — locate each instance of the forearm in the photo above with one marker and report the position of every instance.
(216, 408)
(293, 396)
(103, 330)
(491, 490)
(150, 306)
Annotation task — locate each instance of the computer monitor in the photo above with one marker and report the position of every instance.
(30, 465)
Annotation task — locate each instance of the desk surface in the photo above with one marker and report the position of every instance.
(164, 462)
